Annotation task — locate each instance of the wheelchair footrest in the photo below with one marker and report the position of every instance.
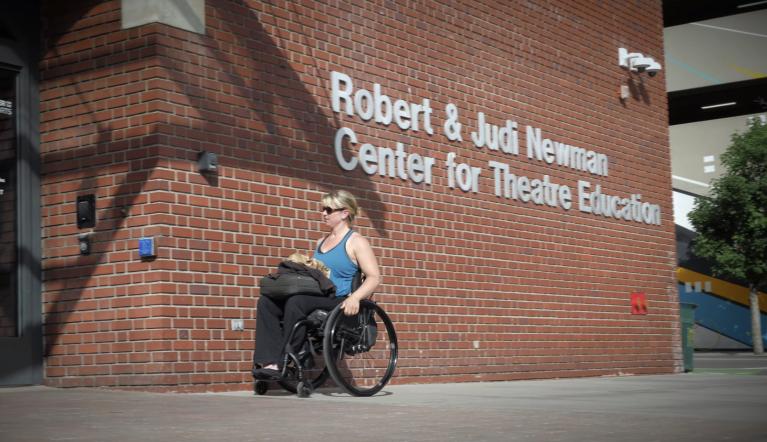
(266, 374)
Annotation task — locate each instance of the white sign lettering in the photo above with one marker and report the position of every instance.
(383, 160)
(497, 136)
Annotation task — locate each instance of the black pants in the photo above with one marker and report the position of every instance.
(271, 338)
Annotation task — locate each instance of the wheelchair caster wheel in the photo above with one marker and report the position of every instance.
(304, 389)
(261, 387)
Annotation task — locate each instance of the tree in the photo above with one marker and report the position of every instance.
(732, 223)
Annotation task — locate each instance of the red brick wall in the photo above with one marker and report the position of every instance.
(480, 287)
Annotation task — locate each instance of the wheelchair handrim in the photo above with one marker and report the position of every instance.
(332, 335)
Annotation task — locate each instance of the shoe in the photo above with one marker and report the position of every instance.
(266, 374)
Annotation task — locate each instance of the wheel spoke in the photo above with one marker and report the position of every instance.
(364, 354)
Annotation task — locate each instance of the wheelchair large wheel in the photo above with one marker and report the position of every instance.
(360, 351)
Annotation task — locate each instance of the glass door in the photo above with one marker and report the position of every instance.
(9, 296)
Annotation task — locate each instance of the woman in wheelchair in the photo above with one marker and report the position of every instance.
(345, 252)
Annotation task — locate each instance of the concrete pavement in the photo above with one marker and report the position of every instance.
(698, 406)
(730, 362)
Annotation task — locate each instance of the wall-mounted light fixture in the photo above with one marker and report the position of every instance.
(207, 162)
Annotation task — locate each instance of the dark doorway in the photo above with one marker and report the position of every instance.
(9, 264)
(20, 302)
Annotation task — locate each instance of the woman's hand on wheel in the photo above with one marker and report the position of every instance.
(350, 306)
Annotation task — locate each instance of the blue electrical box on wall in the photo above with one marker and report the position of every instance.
(146, 248)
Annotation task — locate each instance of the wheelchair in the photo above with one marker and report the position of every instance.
(358, 352)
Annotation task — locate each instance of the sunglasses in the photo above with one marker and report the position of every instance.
(328, 210)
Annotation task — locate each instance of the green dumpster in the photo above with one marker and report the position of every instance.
(687, 314)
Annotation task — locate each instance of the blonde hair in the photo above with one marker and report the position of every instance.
(341, 199)
(300, 258)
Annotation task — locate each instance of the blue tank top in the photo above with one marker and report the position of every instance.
(342, 268)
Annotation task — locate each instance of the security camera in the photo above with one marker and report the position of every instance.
(653, 69)
(640, 64)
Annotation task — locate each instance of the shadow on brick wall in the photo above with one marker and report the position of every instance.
(275, 96)
(291, 135)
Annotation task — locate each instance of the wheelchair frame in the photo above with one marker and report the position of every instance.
(336, 336)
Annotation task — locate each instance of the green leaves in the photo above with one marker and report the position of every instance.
(732, 223)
